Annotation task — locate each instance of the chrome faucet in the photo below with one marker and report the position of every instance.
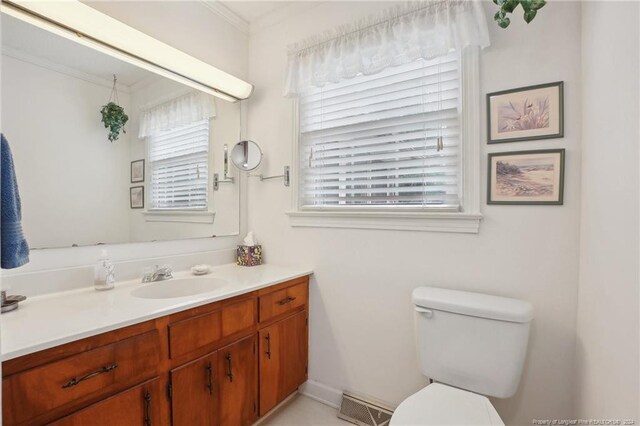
(160, 273)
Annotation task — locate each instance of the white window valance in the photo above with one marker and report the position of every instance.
(425, 29)
(177, 112)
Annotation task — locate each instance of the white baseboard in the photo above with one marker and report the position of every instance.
(321, 393)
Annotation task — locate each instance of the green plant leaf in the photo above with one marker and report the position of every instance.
(537, 4)
(501, 18)
(529, 15)
(510, 5)
(114, 119)
(530, 8)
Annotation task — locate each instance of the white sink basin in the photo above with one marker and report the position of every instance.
(179, 287)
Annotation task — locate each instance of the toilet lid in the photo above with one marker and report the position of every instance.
(439, 404)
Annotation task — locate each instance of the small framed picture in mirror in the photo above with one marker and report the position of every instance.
(137, 197)
(137, 171)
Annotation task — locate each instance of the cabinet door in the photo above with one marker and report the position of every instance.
(136, 406)
(283, 359)
(194, 393)
(237, 372)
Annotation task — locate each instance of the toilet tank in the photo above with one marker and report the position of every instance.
(472, 341)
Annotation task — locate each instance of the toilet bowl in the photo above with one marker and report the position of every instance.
(473, 346)
(439, 404)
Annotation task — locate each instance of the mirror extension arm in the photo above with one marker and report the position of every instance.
(286, 175)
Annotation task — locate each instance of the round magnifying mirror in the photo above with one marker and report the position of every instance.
(246, 155)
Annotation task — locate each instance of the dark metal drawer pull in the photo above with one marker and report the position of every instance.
(286, 300)
(147, 408)
(210, 378)
(268, 338)
(229, 373)
(103, 370)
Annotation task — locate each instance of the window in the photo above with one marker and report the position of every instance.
(387, 140)
(179, 164)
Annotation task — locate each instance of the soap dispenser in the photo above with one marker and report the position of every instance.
(104, 277)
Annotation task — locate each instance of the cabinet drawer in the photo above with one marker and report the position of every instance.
(80, 377)
(193, 333)
(282, 301)
(137, 406)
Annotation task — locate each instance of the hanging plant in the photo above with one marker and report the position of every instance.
(530, 8)
(113, 115)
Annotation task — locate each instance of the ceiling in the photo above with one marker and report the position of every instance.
(251, 11)
(25, 41)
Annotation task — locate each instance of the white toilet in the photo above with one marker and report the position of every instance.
(470, 345)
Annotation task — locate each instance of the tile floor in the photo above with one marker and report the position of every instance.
(303, 411)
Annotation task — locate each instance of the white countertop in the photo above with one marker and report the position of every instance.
(50, 320)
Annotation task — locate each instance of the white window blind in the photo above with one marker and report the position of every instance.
(179, 161)
(383, 140)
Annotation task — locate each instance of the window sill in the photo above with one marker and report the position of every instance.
(179, 216)
(466, 223)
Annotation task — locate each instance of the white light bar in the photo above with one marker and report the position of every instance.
(85, 25)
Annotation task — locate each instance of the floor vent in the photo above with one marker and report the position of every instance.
(357, 410)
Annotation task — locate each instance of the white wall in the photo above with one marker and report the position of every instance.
(361, 315)
(193, 28)
(64, 165)
(607, 344)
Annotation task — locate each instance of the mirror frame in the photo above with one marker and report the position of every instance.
(238, 146)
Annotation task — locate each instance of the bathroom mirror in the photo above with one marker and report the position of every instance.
(246, 155)
(154, 182)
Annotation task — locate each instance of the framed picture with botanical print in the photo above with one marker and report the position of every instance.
(136, 197)
(526, 177)
(526, 113)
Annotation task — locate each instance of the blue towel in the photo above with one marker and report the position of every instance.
(15, 250)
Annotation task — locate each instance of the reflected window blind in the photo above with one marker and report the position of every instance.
(388, 139)
(179, 160)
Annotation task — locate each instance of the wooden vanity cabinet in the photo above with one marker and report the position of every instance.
(283, 359)
(226, 363)
(238, 383)
(193, 392)
(220, 388)
(39, 394)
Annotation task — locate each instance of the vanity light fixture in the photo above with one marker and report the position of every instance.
(87, 26)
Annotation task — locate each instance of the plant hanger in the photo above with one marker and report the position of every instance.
(113, 115)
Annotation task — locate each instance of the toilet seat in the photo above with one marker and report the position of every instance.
(439, 404)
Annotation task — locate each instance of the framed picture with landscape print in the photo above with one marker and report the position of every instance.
(526, 113)
(526, 177)
(136, 197)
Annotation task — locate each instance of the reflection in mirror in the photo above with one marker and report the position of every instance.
(246, 155)
(154, 182)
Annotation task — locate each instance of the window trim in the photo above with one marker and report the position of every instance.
(465, 220)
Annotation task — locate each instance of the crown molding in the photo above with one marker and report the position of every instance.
(281, 14)
(62, 69)
(227, 14)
